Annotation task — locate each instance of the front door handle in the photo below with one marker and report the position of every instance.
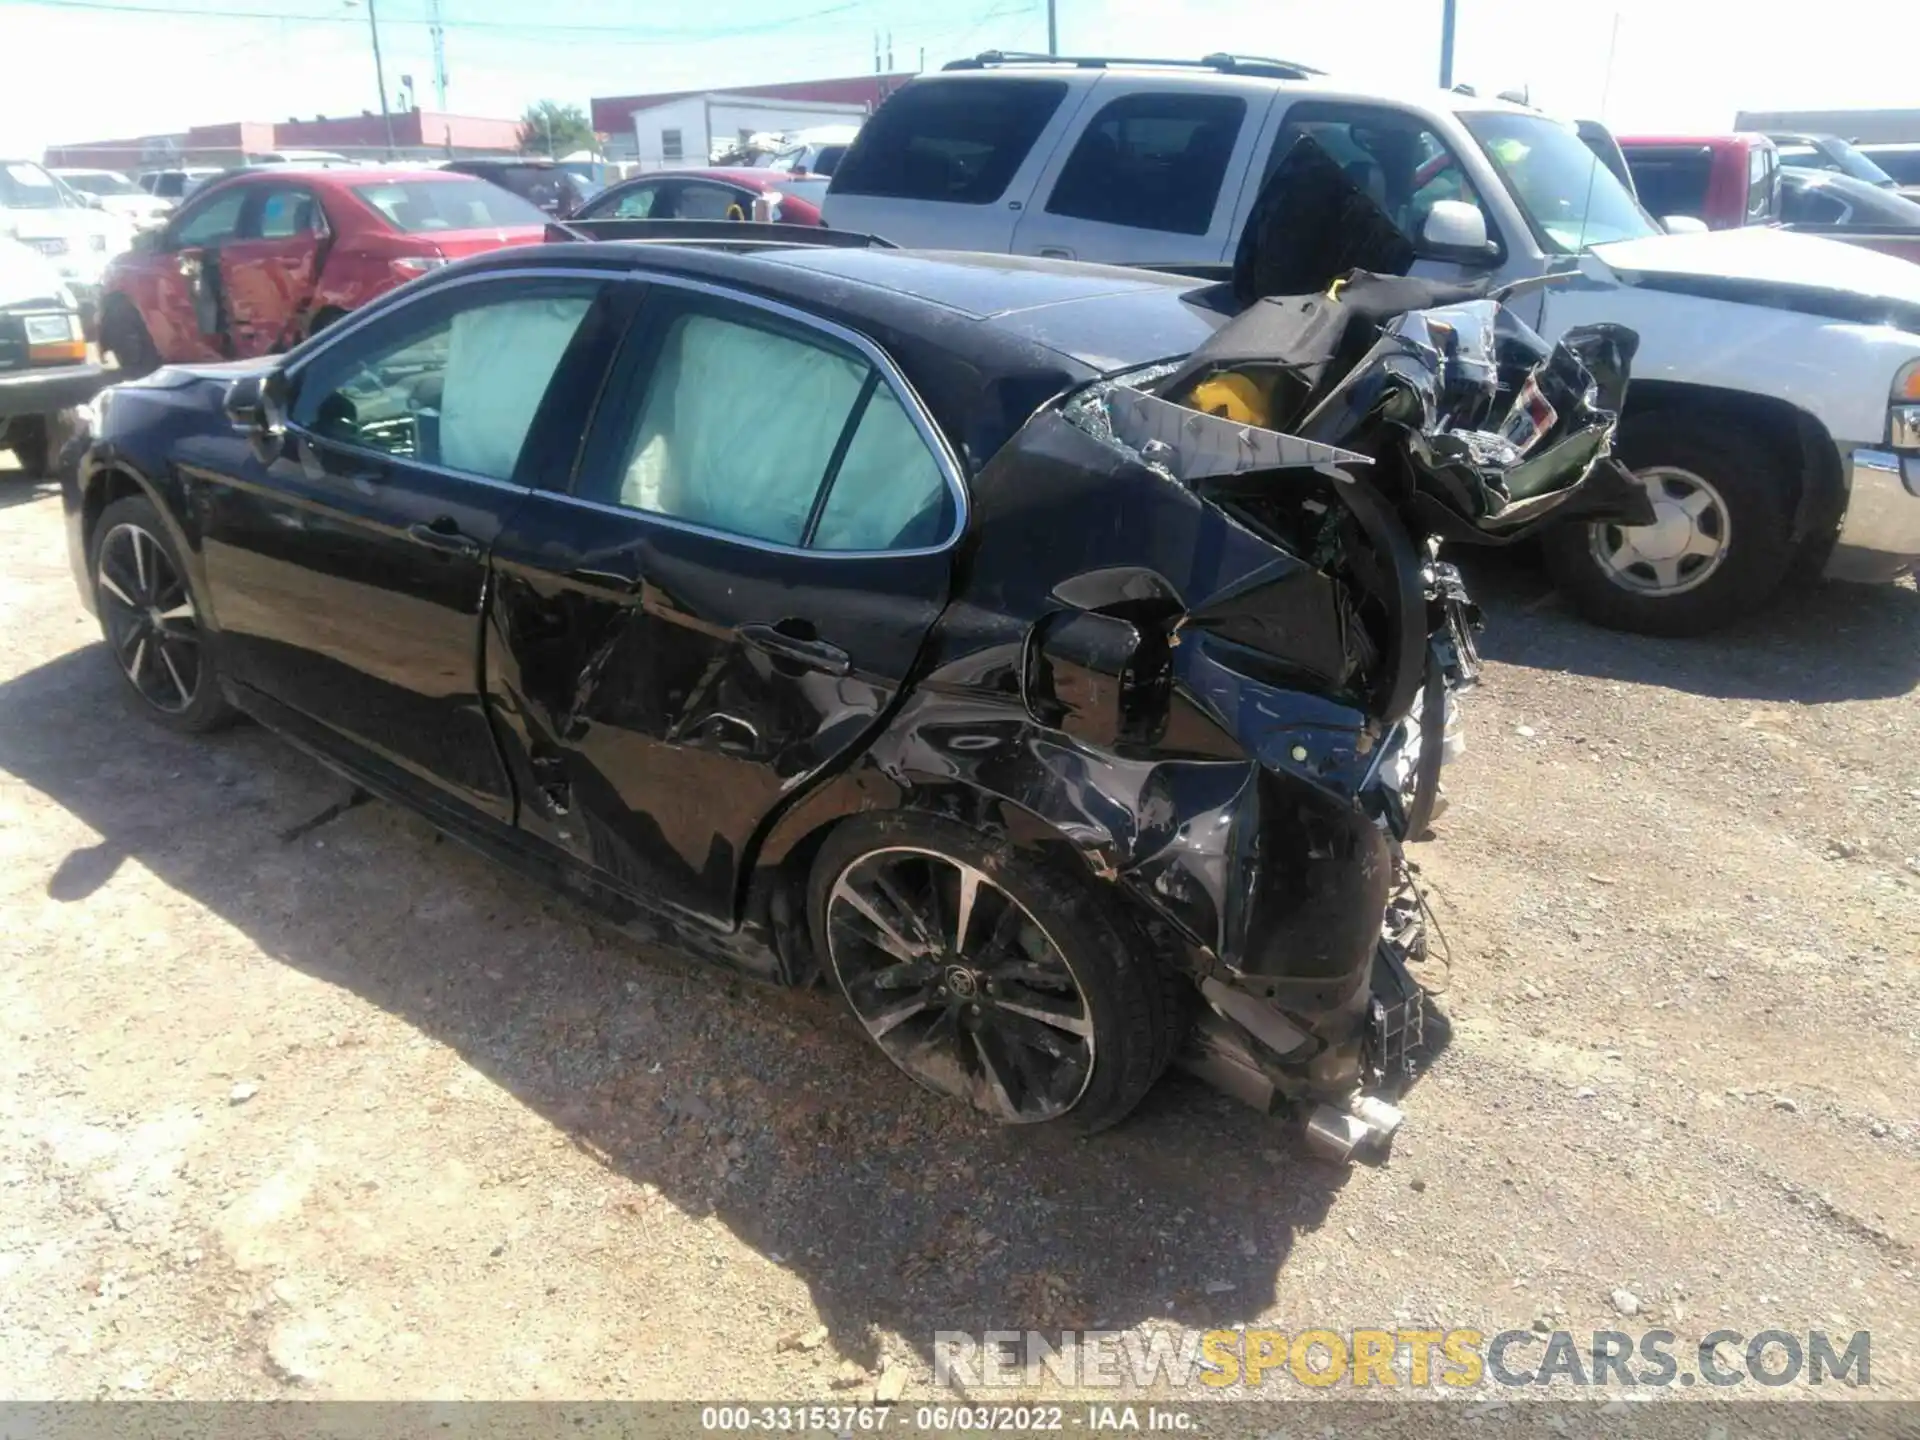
(1054, 252)
(445, 536)
(797, 641)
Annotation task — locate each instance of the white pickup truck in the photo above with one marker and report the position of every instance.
(1774, 414)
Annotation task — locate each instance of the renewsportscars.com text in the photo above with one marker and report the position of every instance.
(1403, 1357)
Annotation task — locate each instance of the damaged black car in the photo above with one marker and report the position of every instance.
(1051, 658)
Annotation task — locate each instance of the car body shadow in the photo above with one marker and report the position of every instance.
(900, 1210)
(17, 489)
(1816, 644)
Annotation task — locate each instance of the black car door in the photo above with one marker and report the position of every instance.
(754, 548)
(347, 576)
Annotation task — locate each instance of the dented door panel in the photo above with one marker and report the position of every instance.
(663, 692)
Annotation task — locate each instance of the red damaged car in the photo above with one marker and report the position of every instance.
(253, 264)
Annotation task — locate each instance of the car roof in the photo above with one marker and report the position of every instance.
(755, 177)
(1190, 77)
(322, 177)
(985, 339)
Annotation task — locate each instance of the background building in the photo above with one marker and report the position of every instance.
(683, 127)
(417, 135)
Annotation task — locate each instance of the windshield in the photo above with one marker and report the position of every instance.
(416, 206)
(1570, 199)
(101, 184)
(25, 186)
(1850, 161)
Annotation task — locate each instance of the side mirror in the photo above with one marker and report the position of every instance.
(1683, 225)
(257, 404)
(1456, 231)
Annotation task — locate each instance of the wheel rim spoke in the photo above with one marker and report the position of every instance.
(112, 587)
(982, 1003)
(173, 673)
(135, 665)
(181, 612)
(140, 563)
(1058, 1019)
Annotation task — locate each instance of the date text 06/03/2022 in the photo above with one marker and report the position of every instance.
(941, 1419)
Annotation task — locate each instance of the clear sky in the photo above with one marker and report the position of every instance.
(130, 67)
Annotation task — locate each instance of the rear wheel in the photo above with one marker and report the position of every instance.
(988, 976)
(151, 622)
(1721, 545)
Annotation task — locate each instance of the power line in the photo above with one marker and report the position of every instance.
(662, 35)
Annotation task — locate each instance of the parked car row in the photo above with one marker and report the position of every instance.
(1775, 424)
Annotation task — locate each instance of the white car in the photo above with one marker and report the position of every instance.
(44, 370)
(114, 193)
(77, 239)
(175, 185)
(814, 151)
(1774, 415)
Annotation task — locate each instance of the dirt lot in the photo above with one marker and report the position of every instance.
(354, 1114)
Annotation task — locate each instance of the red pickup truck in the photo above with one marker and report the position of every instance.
(1727, 181)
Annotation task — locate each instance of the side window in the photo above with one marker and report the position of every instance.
(1154, 162)
(1672, 181)
(1390, 154)
(959, 141)
(831, 459)
(216, 221)
(1762, 172)
(452, 380)
(670, 145)
(711, 202)
(636, 204)
(1806, 205)
(286, 213)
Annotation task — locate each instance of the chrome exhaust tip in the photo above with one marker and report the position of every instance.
(1366, 1123)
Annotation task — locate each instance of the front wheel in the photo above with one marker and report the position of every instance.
(988, 975)
(1721, 544)
(151, 622)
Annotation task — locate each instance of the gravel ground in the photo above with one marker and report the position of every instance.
(354, 1114)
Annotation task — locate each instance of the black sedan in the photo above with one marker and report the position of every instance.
(832, 605)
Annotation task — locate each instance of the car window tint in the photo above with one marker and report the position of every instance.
(888, 492)
(1806, 205)
(1390, 154)
(820, 414)
(711, 202)
(1154, 162)
(286, 213)
(423, 206)
(952, 140)
(635, 204)
(213, 222)
(1672, 181)
(1762, 176)
(453, 382)
(1902, 165)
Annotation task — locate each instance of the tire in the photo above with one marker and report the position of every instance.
(31, 440)
(1040, 939)
(150, 619)
(1703, 473)
(124, 335)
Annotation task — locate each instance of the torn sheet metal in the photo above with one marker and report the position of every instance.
(1193, 446)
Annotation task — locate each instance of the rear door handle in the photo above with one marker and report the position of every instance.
(445, 536)
(790, 640)
(1054, 252)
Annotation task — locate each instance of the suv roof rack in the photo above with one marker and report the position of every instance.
(1262, 66)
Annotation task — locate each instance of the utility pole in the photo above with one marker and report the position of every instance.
(380, 76)
(1446, 44)
(438, 31)
(1053, 27)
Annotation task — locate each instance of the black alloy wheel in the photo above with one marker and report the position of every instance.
(991, 976)
(151, 624)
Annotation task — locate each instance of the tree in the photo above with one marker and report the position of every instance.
(550, 128)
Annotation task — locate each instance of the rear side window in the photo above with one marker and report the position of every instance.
(1154, 162)
(960, 141)
(1672, 181)
(1806, 205)
(422, 206)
